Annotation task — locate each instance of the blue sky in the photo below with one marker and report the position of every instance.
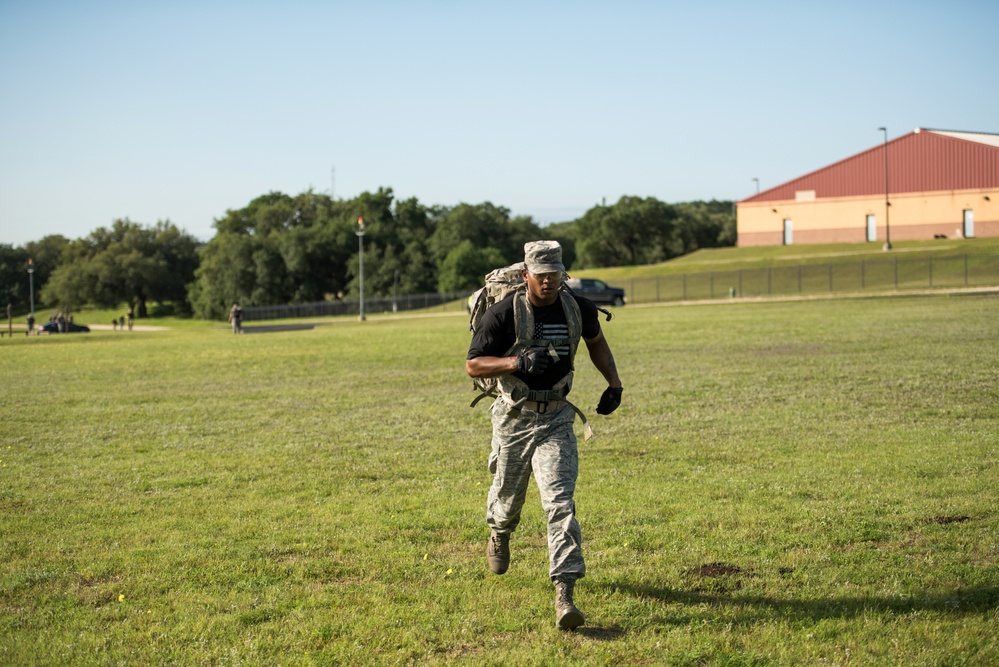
(182, 110)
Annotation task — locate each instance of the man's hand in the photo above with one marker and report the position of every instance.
(533, 361)
(609, 401)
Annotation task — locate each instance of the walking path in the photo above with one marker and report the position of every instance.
(135, 327)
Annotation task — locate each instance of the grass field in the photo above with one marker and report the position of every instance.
(756, 257)
(785, 483)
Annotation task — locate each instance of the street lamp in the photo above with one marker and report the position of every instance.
(360, 255)
(395, 293)
(887, 245)
(757, 185)
(31, 285)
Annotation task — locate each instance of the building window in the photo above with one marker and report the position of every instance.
(788, 232)
(872, 227)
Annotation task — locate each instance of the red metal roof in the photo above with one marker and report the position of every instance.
(921, 161)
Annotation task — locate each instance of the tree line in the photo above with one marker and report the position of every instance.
(295, 249)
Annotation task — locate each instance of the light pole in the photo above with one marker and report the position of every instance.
(395, 293)
(887, 245)
(757, 185)
(360, 259)
(31, 285)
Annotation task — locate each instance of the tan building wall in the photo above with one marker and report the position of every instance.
(914, 215)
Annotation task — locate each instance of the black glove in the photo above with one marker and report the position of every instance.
(609, 401)
(533, 361)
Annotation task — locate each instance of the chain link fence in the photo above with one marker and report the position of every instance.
(869, 275)
(873, 275)
(445, 302)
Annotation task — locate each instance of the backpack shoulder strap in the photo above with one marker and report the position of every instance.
(523, 317)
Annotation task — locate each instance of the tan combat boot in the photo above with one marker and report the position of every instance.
(567, 616)
(498, 552)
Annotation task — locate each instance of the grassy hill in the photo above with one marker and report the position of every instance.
(802, 270)
(734, 259)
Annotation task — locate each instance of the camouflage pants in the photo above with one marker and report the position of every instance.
(546, 445)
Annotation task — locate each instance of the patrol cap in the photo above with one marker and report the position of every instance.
(543, 257)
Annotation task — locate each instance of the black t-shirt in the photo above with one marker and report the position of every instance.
(497, 334)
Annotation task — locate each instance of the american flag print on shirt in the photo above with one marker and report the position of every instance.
(553, 332)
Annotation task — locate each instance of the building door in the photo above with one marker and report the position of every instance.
(872, 227)
(969, 224)
(788, 233)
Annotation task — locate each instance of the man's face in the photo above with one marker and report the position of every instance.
(542, 288)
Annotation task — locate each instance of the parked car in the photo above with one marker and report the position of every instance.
(53, 327)
(597, 291)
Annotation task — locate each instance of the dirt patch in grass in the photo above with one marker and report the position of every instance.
(715, 570)
(944, 520)
(598, 633)
(717, 577)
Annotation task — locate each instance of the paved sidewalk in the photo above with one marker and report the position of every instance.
(135, 327)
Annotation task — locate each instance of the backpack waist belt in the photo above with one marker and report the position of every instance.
(543, 407)
(547, 401)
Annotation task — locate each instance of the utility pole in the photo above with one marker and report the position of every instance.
(360, 259)
(31, 285)
(887, 245)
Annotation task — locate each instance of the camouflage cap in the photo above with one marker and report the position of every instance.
(543, 257)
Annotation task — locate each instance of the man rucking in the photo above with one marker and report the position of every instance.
(528, 342)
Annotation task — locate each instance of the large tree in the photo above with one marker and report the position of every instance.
(466, 265)
(647, 231)
(484, 227)
(125, 263)
(14, 281)
(633, 231)
(283, 249)
(702, 224)
(17, 287)
(415, 225)
(247, 261)
(224, 276)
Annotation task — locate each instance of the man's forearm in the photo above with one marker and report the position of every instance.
(603, 360)
(490, 367)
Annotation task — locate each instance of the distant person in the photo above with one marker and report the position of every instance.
(131, 314)
(528, 342)
(236, 318)
(121, 322)
(61, 322)
(114, 323)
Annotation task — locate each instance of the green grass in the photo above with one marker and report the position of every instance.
(756, 257)
(803, 270)
(785, 483)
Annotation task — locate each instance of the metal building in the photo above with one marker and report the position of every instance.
(923, 185)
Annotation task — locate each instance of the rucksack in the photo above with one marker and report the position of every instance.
(499, 284)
